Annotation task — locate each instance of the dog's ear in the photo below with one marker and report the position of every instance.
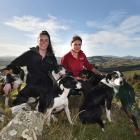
(56, 68)
(121, 74)
(108, 77)
(69, 73)
(61, 81)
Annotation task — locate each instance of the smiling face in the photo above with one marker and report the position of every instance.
(76, 46)
(43, 42)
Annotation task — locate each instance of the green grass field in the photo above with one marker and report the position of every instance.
(131, 73)
(120, 128)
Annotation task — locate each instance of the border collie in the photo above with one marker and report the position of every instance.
(60, 98)
(40, 95)
(87, 74)
(126, 95)
(100, 96)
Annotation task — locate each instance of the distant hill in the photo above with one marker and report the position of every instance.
(102, 62)
(110, 61)
(6, 60)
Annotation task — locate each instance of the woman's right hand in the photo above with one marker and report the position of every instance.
(7, 89)
(79, 78)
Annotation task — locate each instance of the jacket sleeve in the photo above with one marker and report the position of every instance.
(87, 64)
(64, 62)
(22, 60)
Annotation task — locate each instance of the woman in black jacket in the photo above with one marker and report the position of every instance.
(39, 61)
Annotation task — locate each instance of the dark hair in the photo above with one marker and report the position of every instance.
(49, 49)
(76, 37)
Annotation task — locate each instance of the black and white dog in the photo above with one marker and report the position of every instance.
(60, 98)
(98, 97)
(39, 94)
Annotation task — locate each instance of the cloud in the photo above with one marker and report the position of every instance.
(108, 22)
(12, 49)
(33, 24)
(130, 25)
(108, 38)
(120, 32)
(116, 31)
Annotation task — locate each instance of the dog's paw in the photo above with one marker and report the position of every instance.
(72, 123)
(109, 120)
(104, 121)
(136, 132)
(48, 124)
(55, 119)
(103, 130)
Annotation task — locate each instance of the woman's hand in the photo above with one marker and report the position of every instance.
(7, 89)
(79, 78)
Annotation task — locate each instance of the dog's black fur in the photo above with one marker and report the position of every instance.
(91, 109)
(38, 93)
(88, 80)
(128, 102)
(87, 74)
(96, 97)
(59, 98)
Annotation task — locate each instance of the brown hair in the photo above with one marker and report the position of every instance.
(49, 49)
(76, 37)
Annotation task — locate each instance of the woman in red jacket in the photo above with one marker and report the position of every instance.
(75, 60)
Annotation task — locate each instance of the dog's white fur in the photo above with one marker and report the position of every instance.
(60, 103)
(56, 76)
(115, 84)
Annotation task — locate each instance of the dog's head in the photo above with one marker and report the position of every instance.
(86, 74)
(58, 71)
(115, 78)
(69, 82)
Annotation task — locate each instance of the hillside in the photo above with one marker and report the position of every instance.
(105, 63)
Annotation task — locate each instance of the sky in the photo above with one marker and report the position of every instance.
(107, 27)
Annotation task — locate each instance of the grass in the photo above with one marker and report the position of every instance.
(131, 73)
(119, 129)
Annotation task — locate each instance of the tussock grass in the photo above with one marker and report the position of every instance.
(119, 129)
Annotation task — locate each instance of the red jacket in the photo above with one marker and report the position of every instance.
(74, 65)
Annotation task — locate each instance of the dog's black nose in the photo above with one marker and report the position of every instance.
(121, 82)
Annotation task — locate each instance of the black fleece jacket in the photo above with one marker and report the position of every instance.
(37, 67)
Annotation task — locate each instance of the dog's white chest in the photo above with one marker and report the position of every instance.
(59, 103)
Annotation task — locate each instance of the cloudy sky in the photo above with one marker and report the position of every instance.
(107, 27)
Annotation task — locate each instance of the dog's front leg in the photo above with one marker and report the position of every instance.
(66, 108)
(54, 118)
(108, 115)
(108, 108)
(48, 116)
